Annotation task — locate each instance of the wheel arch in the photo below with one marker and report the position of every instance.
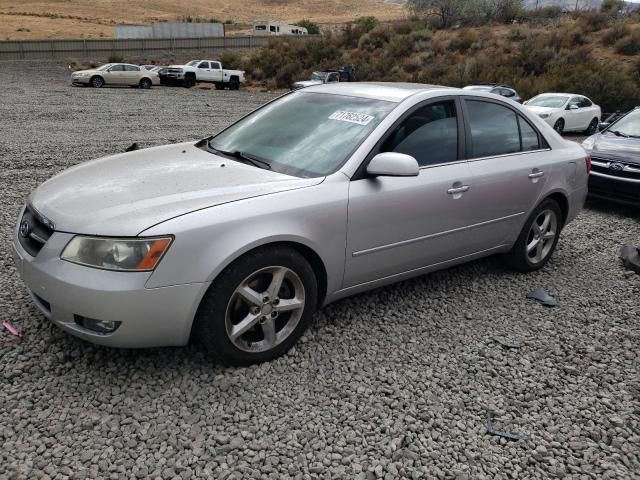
(309, 253)
(562, 200)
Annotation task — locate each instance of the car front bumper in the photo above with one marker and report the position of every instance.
(616, 189)
(65, 293)
(80, 80)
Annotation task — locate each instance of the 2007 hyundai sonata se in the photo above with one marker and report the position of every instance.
(325, 192)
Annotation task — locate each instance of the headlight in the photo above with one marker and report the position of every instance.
(121, 254)
(545, 115)
(589, 143)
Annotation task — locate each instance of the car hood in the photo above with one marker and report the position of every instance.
(307, 83)
(539, 110)
(79, 72)
(124, 194)
(611, 147)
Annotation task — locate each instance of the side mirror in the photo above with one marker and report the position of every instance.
(603, 125)
(572, 107)
(391, 164)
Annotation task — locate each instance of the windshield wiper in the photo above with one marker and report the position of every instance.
(243, 157)
(618, 133)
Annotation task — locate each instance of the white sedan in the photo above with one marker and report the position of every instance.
(566, 112)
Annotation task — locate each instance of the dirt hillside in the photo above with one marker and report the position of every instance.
(44, 19)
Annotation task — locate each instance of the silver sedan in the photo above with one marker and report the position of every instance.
(235, 240)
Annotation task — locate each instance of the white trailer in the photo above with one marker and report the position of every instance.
(271, 27)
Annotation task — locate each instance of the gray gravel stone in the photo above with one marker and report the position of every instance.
(395, 383)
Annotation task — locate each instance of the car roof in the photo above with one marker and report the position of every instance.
(389, 91)
(561, 94)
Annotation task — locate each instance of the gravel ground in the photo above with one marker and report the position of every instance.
(396, 383)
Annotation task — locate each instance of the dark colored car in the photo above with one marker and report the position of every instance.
(497, 89)
(615, 160)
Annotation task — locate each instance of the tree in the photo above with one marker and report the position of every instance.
(507, 11)
(448, 12)
(612, 7)
(312, 27)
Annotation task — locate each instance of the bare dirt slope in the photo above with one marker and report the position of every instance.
(31, 19)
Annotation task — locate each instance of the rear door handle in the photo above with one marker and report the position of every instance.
(456, 190)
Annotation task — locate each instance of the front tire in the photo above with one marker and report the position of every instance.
(538, 238)
(96, 82)
(189, 82)
(258, 307)
(559, 126)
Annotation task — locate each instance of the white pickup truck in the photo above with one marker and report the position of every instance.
(202, 71)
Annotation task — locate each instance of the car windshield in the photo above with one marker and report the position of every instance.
(105, 67)
(628, 125)
(193, 63)
(304, 134)
(550, 101)
(317, 76)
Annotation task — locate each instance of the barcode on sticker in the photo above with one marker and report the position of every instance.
(351, 117)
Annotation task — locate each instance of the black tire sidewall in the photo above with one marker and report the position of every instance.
(560, 122)
(145, 83)
(209, 325)
(95, 78)
(517, 258)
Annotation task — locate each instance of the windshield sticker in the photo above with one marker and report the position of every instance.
(351, 117)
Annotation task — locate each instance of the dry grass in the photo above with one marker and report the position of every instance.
(50, 18)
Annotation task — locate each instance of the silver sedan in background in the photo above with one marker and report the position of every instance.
(235, 240)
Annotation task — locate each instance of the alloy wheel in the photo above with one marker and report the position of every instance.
(541, 236)
(265, 309)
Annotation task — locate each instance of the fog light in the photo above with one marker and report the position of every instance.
(99, 326)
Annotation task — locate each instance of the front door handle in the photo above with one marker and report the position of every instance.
(457, 190)
(536, 174)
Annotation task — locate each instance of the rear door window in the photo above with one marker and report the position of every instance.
(494, 129)
(131, 68)
(530, 138)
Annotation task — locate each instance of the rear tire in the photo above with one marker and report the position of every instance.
(592, 128)
(559, 126)
(96, 82)
(258, 307)
(145, 83)
(538, 239)
(234, 85)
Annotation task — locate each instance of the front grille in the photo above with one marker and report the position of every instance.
(615, 168)
(34, 231)
(614, 189)
(174, 70)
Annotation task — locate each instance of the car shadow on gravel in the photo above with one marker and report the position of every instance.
(613, 208)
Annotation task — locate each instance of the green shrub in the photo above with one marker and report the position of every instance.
(463, 41)
(629, 45)
(593, 21)
(116, 58)
(312, 27)
(366, 24)
(615, 33)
